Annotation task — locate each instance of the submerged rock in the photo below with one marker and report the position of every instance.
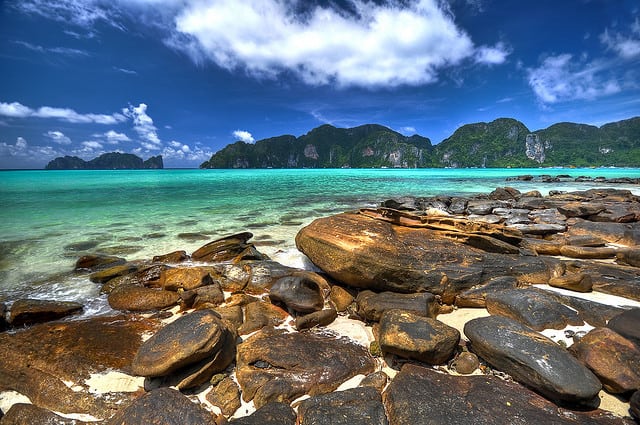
(29, 311)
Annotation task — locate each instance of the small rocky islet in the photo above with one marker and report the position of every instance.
(226, 335)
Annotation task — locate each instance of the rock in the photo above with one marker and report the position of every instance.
(317, 318)
(232, 277)
(203, 297)
(538, 228)
(578, 282)
(482, 206)
(533, 308)
(634, 405)
(585, 240)
(139, 298)
(232, 314)
(172, 257)
(164, 406)
(504, 194)
(626, 324)
(260, 314)
(542, 247)
(146, 276)
(188, 340)
(419, 338)
(371, 306)
(621, 233)
(297, 293)
(532, 359)
(341, 298)
(419, 395)
(586, 252)
(105, 275)
(465, 363)
(277, 366)
(3, 318)
(614, 359)
(476, 296)
(98, 262)
(186, 278)
(274, 413)
(377, 380)
(40, 362)
(264, 274)
(28, 414)
(230, 248)
(581, 209)
(29, 311)
(356, 406)
(374, 254)
(613, 279)
(630, 256)
(225, 395)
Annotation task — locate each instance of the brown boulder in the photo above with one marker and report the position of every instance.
(356, 406)
(614, 359)
(186, 278)
(634, 405)
(415, 337)
(139, 298)
(629, 256)
(98, 262)
(230, 248)
(105, 275)
(372, 306)
(277, 366)
(232, 314)
(29, 311)
(477, 295)
(341, 298)
(621, 233)
(203, 297)
(29, 414)
(626, 324)
(579, 282)
(260, 314)
(274, 413)
(226, 395)
(297, 293)
(581, 209)
(586, 252)
(146, 276)
(317, 318)
(172, 257)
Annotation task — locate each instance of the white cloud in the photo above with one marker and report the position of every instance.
(381, 45)
(58, 137)
(113, 137)
(561, 78)
(143, 125)
(177, 151)
(17, 110)
(58, 50)
(83, 13)
(243, 135)
(25, 155)
(125, 71)
(625, 46)
(408, 130)
(92, 144)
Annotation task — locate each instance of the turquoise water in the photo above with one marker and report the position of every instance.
(50, 218)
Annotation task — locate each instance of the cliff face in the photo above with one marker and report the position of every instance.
(107, 161)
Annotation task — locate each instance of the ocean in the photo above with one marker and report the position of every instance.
(48, 219)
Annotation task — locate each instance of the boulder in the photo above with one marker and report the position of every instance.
(94, 263)
(187, 340)
(420, 395)
(3, 318)
(415, 337)
(203, 297)
(278, 366)
(259, 314)
(230, 248)
(614, 359)
(634, 405)
(375, 254)
(232, 314)
(356, 406)
(162, 406)
(532, 359)
(578, 282)
(28, 414)
(536, 309)
(146, 276)
(371, 306)
(476, 296)
(30, 311)
(629, 256)
(225, 395)
(585, 240)
(377, 380)
(613, 279)
(581, 209)
(139, 298)
(298, 293)
(186, 278)
(586, 252)
(317, 318)
(626, 324)
(273, 413)
(172, 257)
(102, 276)
(341, 298)
(542, 246)
(621, 233)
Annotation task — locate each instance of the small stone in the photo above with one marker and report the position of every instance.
(232, 314)
(466, 363)
(341, 298)
(29, 311)
(139, 298)
(317, 318)
(377, 380)
(372, 306)
(225, 395)
(105, 275)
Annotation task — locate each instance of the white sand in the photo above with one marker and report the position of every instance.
(458, 317)
(113, 381)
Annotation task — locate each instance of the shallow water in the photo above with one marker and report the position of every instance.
(50, 218)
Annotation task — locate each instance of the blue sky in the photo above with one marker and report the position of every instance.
(184, 78)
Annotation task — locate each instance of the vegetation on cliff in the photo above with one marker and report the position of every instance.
(107, 161)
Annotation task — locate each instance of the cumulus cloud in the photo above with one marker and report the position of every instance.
(627, 46)
(495, 55)
(563, 78)
(408, 130)
(243, 135)
(177, 151)
(143, 125)
(92, 144)
(24, 154)
(113, 137)
(17, 110)
(58, 137)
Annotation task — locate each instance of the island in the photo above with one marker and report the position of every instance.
(107, 161)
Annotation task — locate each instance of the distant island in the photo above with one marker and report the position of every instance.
(107, 161)
(505, 142)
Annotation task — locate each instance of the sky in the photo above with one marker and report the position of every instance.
(184, 78)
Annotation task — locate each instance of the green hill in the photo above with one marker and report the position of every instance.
(107, 161)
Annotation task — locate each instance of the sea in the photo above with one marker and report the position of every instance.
(48, 219)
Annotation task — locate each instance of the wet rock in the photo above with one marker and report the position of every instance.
(356, 406)
(274, 413)
(377, 380)
(297, 293)
(276, 366)
(225, 395)
(162, 406)
(505, 194)
(634, 405)
(341, 298)
(614, 359)
(578, 282)
(476, 296)
(232, 277)
(371, 306)
(532, 359)
(203, 297)
(28, 414)
(30, 311)
(374, 254)
(533, 308)
(105, 275)
(260, 314)
(626, 324)
(317, 318)
(586, 252)
(465, 363)
(419, 338)
(186, 278)
(146, 276)
(98, 262)
(419, 395)
(189, 339)
(172, 257)
(264, 274)
(230, 248)
(139, 298)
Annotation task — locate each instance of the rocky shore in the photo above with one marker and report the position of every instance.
(503, 308)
